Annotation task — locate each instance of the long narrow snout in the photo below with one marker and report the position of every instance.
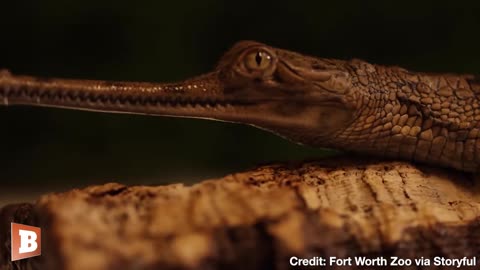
(201, 96)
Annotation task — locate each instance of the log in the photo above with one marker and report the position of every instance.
(259, 219)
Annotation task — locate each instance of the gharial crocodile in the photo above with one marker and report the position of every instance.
(347, 105)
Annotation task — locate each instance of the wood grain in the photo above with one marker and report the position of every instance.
(257, 219)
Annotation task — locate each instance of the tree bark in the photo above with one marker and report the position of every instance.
(259, 219)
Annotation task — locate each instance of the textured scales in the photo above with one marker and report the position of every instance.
(347, 105)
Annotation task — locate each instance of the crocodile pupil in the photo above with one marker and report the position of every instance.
(258, 58)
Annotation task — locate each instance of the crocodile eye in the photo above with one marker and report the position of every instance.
(258, 60)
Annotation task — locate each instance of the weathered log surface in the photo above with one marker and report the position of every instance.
(257, 219)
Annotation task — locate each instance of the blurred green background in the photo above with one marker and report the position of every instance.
(45, 150)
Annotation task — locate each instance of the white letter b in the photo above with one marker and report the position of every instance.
(28, 241)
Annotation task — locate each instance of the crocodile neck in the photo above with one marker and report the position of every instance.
(429, 118)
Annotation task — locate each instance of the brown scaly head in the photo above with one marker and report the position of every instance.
(287, 93)
(295, 96)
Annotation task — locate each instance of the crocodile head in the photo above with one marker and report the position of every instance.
(295, 96)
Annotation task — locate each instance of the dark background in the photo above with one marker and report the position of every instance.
(45, 150)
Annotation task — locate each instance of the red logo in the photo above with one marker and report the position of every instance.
(26, 241)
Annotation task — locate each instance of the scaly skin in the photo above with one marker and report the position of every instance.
(347, 105)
